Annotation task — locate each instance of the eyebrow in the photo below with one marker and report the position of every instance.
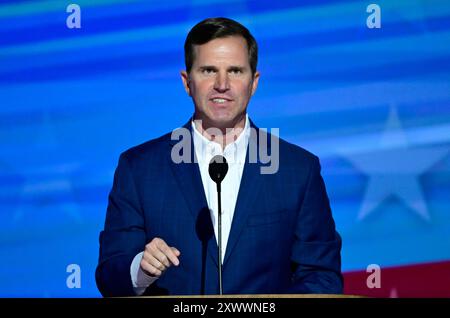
(231, 68)
(207, 67)
(237, 68)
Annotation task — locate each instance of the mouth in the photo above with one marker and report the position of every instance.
(220, 100)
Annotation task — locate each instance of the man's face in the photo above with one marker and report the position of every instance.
(221, 82)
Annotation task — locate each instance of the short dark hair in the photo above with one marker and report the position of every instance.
(213, 28)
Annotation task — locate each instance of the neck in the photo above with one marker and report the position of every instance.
(221, 135)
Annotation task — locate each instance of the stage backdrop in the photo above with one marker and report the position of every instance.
(365, 87)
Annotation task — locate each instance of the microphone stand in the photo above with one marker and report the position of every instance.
(218, 168)
(219, 234)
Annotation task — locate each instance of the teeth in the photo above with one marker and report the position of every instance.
(218, 100)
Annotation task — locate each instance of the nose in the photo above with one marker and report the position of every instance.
(222, 83)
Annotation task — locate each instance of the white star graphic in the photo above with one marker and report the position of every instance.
(394, 170)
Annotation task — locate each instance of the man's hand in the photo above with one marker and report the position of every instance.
(158, 256)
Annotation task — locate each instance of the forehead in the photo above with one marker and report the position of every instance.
(232, 49)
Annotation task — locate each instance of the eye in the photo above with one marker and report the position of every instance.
(236, 71)
(208, 71)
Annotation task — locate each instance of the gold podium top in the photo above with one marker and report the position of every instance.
(256, 296)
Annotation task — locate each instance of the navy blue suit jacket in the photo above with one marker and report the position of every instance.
(282, 239)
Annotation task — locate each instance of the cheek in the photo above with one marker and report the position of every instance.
(202, 90)
(245, 91)
(244, 86)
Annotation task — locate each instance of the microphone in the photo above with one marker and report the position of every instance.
(218, 168)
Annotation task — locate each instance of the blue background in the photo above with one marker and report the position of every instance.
(373, 104)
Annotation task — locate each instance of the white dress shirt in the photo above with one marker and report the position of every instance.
(205, 150)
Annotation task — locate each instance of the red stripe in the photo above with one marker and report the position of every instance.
(423, 280)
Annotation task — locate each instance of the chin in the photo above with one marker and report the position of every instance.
(220, 118)
(221, 122)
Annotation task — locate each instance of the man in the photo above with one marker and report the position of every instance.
(160, 236)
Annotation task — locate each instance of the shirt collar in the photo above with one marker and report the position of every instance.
(236, 151)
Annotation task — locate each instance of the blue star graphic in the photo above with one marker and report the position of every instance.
(394, 170)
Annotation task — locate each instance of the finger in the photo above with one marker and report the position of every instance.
(152, 260)
(150, 269)
(176, 252)
(153, 249)
(161, 257)
(168, 252)
(171, 255)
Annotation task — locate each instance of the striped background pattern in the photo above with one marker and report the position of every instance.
(373, 104)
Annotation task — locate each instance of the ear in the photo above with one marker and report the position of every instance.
(186, 82)
(255, 82)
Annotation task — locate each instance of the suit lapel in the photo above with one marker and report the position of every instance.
(248, 190)
(189, 179)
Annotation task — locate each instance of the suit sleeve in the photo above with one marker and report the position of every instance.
(316, 252)
(123, 236)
